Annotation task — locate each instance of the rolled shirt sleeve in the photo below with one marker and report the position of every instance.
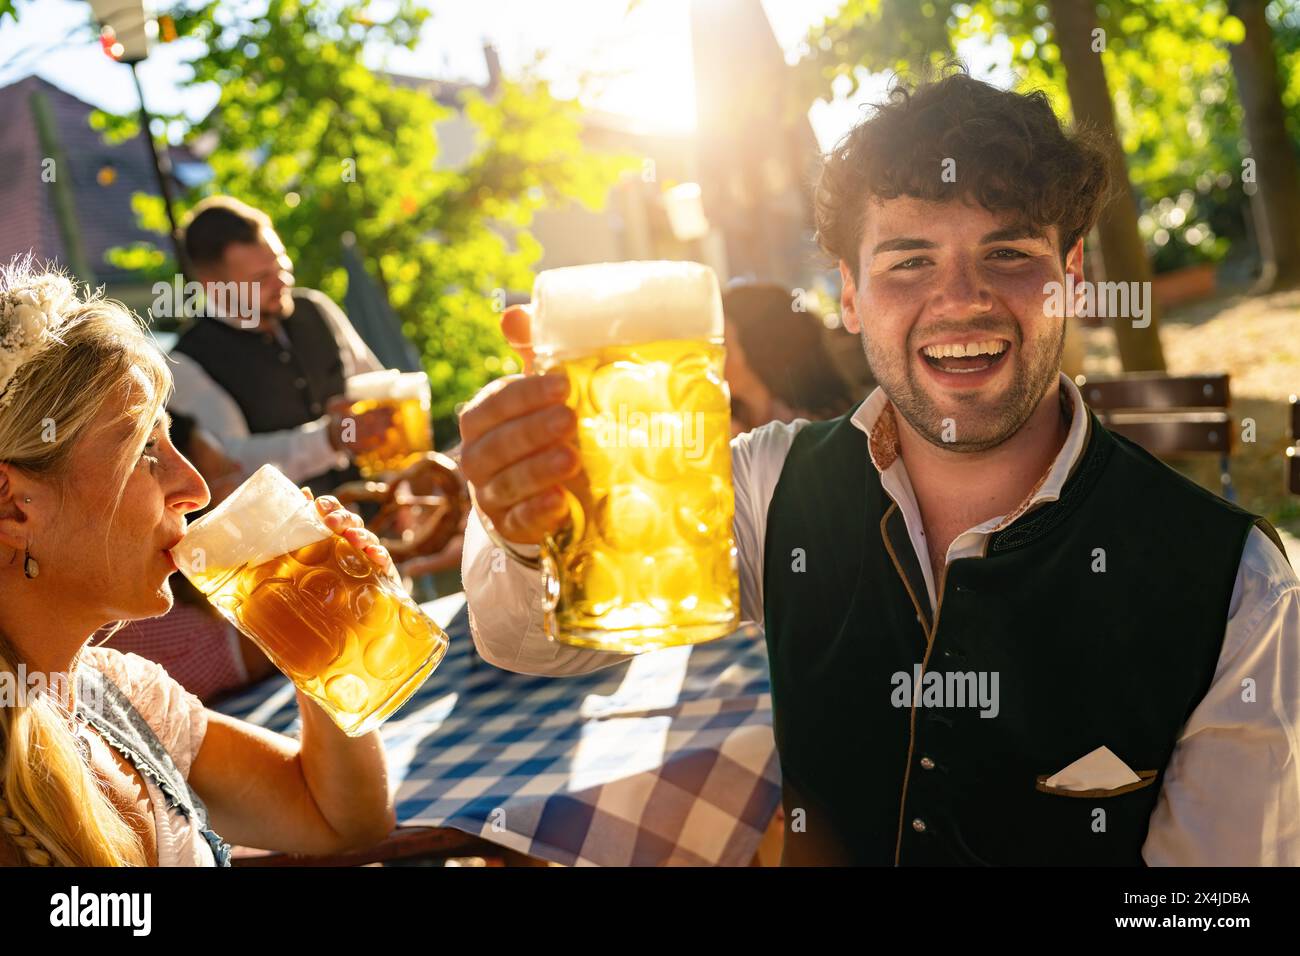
(1231, 794)
(505, 612)
(298, 452)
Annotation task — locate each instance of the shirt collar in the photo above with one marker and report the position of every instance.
(875, 418)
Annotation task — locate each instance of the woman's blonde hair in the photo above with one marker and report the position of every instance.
(51, 805)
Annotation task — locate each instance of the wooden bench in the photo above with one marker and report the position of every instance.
(1293, 449)
(1168, 415)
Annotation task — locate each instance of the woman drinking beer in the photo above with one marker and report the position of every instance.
(104, 759)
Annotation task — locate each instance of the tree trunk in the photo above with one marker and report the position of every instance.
(1276, 201)
(1122, 251)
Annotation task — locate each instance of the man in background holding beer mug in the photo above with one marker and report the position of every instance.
(998, 633)
(265, 369)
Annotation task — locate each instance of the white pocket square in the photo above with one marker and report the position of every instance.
(1099, 770)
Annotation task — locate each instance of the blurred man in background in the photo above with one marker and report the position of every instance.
(265, 368)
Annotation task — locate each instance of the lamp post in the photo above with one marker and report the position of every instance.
(126, 27)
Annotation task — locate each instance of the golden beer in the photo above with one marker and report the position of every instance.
(406, 397)
(648, 559)
(349, 637)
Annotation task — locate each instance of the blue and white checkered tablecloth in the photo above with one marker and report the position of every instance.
(665, 759)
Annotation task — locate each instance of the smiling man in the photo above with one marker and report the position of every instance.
(998, 633)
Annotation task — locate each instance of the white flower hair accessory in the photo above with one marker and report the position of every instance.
(34, 306)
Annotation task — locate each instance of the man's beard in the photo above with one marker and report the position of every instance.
(281, 308)
(976, 424)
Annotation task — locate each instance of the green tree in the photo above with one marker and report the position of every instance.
(1081, 42)
(1277, 200)
(326, 146)
(899, 35)
(1171, 72)
(1166, 64)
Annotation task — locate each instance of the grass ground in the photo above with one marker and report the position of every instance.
(1255, 339)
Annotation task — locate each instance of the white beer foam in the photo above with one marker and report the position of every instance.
(388, 383)
(263, 518)
(620, 303)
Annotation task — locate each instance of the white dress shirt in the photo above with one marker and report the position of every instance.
(301, 452)
(1231, 792)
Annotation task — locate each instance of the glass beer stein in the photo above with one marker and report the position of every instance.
(406, 396)
(648, 559)
(347, 635)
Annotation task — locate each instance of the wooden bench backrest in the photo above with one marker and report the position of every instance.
(1165, 414)
(1154, 391)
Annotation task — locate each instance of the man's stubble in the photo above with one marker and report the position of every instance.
(980, 428)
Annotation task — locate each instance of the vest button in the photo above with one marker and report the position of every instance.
(299, 383)
(927, 763)
(285, 357)
(315, 408)
(918, 825)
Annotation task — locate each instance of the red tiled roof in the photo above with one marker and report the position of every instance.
(26, 212)
(104, 214)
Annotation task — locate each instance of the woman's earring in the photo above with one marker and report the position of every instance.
(30, 567)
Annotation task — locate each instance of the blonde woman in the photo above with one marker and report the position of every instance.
(92, 494)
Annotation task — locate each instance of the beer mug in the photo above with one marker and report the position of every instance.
(347, 635)
(648, 559)
(406, 396)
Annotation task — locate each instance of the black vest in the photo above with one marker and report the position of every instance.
(1085, 658)
(276, 388)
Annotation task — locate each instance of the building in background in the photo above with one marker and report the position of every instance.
(758, 160)
(65, 195)
(757, 152)
(634, 223)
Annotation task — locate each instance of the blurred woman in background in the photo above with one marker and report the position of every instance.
(778, 365)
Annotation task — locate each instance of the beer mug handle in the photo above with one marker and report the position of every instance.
(575, 527)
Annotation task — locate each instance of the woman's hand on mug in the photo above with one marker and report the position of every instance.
(350, 526)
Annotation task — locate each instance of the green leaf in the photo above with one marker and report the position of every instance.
(1232, 30)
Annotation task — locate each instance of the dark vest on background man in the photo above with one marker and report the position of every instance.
(1085, 658)
(276, 388)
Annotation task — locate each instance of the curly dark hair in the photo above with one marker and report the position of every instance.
(1010, 152)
